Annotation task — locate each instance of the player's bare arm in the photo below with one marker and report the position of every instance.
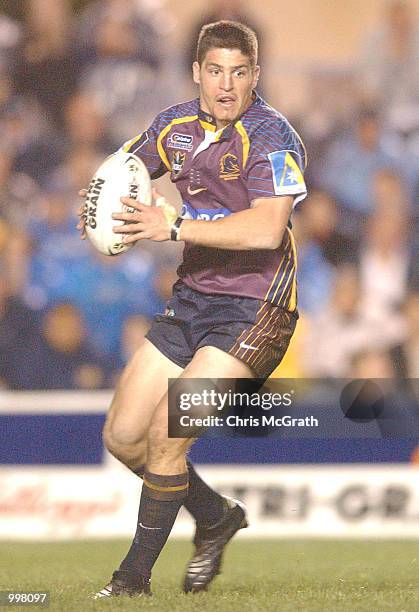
(259, 227)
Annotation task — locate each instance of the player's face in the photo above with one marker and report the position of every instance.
(226, 80)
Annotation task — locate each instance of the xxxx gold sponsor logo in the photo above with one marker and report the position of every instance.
(229, 167)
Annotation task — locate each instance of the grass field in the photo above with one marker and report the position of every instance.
(269, 576)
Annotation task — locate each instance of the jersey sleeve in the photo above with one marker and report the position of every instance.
(275, 166)
(145, 146)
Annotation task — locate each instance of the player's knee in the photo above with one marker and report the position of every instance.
(122, 444)
(132, 456)
(111, 444)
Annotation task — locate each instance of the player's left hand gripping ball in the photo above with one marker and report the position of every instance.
(121, 174)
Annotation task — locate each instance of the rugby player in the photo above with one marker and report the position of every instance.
(238, 165)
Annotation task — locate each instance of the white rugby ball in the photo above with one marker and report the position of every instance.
(121, 174)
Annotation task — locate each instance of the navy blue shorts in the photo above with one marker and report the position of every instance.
(256, 332)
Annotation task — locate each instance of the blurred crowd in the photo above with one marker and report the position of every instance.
(74, 85)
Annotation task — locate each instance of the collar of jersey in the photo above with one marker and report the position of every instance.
(208, 122)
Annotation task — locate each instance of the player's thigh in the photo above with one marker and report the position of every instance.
(212, 362)
(208, 362)
(140, 388)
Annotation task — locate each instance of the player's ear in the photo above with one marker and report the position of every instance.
(256, 73)
(196, 73)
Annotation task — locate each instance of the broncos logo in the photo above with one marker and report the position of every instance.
(229, 167)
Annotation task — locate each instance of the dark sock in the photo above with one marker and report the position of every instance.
(161, 498)
(205, 505)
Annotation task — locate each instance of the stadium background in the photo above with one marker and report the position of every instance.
(77, 80)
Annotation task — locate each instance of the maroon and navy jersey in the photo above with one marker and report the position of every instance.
(219, 173)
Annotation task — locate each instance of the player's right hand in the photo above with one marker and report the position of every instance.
(81, 224)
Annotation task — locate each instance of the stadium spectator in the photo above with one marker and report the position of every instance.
(339, 330)
(123, 47)
(413, 276)
(415, 200)
(85, 125)
(77, 169)
(61, 357)
(315, 272)
(333, 94)
(372, 363)
(106, 289)
(134, 329)
(18, 324)
(384, 262)
(110, 289)
(46, 67)
(25, 132)
(142, 28)
(350, 165)
(391, 80)
(406, 354)
(388, 66)
(17, 192)
(14, 256)
(166, 262)
(389, 194)
(320, 219)
(56, 250)
(10, 33)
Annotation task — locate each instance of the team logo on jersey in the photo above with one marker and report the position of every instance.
(229, 167)
(177, 162)
(286, 173)
(180, 141)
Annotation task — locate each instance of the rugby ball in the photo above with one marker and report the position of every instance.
(121, 174)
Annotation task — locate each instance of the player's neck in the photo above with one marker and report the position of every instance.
(220, 123)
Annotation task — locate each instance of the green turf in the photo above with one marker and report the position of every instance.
(271, 575)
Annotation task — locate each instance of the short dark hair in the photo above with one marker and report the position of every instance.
(227, 35)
